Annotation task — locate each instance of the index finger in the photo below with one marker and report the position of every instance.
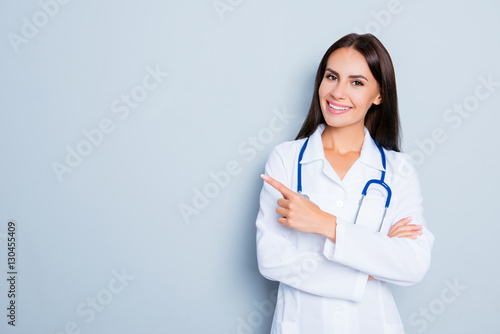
(278, 186)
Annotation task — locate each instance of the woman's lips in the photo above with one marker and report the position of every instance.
(337, 109)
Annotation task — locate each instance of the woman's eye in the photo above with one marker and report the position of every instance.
(331, 77)
(357, 83)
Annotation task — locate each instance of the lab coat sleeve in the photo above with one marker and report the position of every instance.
(400, 261)
(279, 258)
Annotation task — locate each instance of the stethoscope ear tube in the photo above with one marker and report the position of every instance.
(359, 207)
(382, 221)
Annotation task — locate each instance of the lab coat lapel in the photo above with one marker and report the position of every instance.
(315, 151)
(370, 156)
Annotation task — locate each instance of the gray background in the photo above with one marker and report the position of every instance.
(230, 70)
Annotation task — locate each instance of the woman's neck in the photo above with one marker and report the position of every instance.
(344, 139)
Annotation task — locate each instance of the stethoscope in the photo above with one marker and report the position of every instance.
(365, 189)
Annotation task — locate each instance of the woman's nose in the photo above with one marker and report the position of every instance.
(339, 91)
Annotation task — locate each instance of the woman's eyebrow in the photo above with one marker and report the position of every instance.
(357, 76)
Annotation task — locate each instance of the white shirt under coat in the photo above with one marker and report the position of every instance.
(324, 286)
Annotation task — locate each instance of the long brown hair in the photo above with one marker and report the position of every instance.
(381, 120)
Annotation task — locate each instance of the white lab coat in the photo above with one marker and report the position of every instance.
(324, 286)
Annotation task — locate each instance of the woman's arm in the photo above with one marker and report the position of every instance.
(398, 260)
(403, 229)
(281, 259)
(402, 257)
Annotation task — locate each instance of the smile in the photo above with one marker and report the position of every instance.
(338, 108)
(335, 109)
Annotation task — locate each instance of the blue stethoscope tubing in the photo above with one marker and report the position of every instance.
(380, 182)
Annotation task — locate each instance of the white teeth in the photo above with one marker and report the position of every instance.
(338, 108)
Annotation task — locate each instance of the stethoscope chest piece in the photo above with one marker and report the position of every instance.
(302, 194)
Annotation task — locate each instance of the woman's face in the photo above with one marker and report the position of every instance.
(348, 89)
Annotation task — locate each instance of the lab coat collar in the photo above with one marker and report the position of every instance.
(314, 150)
(370, 155)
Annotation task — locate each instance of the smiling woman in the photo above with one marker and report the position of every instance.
(356, 90)
(347, 152)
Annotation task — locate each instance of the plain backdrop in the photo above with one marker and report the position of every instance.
(133, 133)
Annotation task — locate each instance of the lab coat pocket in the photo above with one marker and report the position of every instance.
(286, 328)
(372, 210)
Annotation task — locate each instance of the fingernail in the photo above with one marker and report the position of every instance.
(264, 177)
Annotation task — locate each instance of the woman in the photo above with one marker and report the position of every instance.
(332, 261)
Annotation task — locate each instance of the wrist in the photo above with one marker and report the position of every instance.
(329, 226)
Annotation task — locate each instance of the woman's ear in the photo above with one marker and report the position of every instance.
(378, 100)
